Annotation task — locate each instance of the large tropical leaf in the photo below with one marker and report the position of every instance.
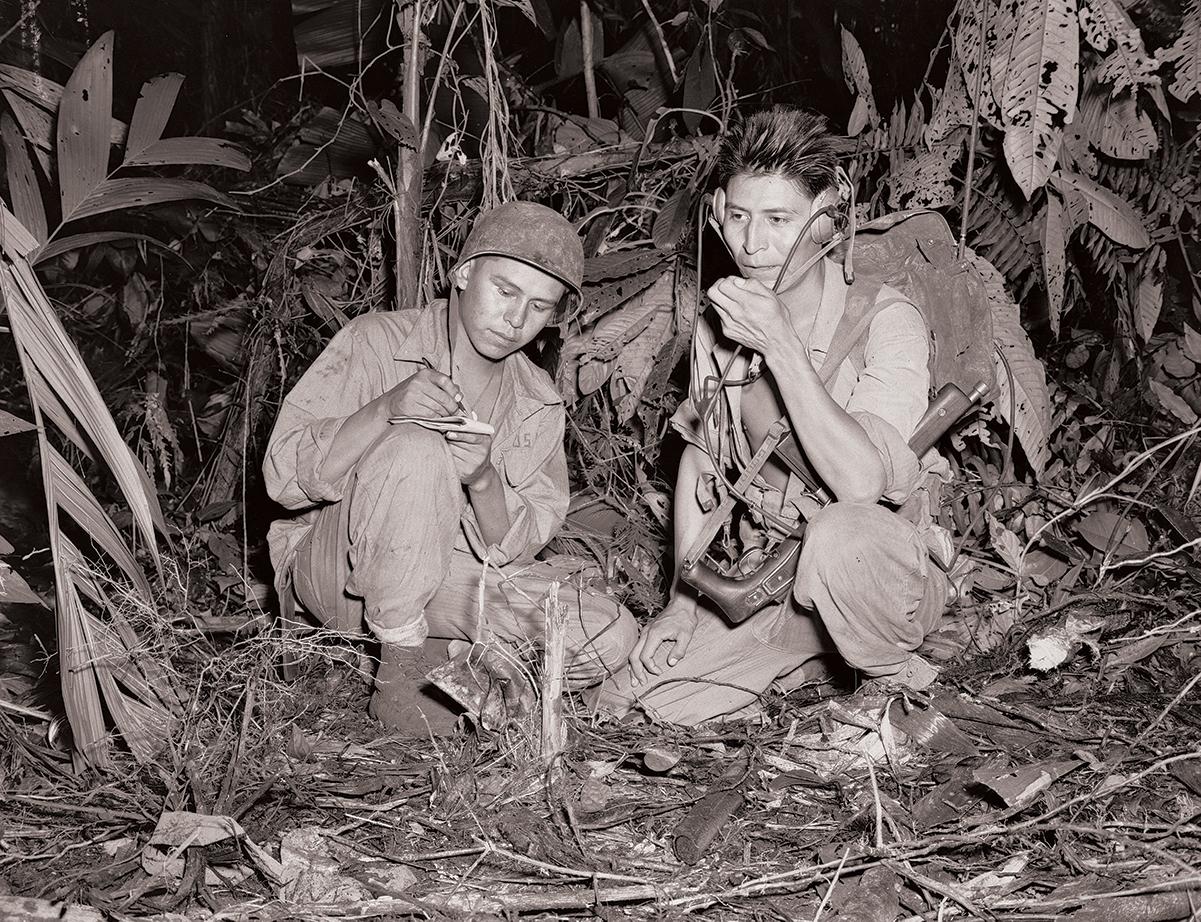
(341, 33)
(183, 151)
(1149, 297)
(83, 121)
(119, 194)
(1040, 62)
(1116, 125)
(633, 365)
(634, 72)
(22, 179)
(38, 127)
(1127, 66)
(1106, 211)
(152, 112)
(13, 588)
(74, 498)
(76, 241)
(44, 95)
(589, 357)
(1031, 419)
(1185, 53)
(974, 57)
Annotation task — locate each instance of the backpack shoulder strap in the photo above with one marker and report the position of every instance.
(862, 307)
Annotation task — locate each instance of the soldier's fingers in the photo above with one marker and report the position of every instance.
(682, 640)
(442, 399)
(655, 640)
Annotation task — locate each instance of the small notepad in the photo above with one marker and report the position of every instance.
(448, 424)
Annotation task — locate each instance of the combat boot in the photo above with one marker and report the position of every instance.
(400, 700)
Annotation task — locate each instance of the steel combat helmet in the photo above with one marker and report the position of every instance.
(532, 234)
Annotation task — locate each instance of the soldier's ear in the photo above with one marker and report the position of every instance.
(461, 273)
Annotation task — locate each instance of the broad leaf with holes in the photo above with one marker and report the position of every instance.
(1039, 62)
(859, 81)
(1127, 66)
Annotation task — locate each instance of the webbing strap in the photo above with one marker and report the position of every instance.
(847, 335)
(715, 519)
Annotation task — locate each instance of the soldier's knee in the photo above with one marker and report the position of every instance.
(839, 538)
(406, 450)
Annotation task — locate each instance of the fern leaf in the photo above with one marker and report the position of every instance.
(953, 108)
(1106, 259)
(1128, 66)
(1116, 126)
(1166, 188)
(1003, 228)
(1031, 419)
(926, 181)
(1185, 53)
(1041, 73)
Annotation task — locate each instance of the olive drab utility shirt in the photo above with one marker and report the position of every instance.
(368, 357)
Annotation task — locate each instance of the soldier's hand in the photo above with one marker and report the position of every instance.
(426, 393)
(672, 630)
(750, 312)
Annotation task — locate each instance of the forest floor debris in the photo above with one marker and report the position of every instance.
(1003, 792)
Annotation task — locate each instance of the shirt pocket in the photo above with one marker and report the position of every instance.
(523, 451)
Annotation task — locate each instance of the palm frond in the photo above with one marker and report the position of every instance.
(100, 656)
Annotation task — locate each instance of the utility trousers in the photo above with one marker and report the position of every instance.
(390, 554)
(865, 590)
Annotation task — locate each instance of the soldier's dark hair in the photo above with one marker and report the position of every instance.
(782, 141)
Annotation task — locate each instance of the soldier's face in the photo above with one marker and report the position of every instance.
(504, 304)
(760, 217)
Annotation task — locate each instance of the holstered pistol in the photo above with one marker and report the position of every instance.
(738, 599)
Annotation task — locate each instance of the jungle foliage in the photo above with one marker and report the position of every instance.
(1068, 128)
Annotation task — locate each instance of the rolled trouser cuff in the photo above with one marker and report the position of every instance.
(404, 635)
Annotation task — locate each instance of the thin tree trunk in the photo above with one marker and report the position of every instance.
(407, 211)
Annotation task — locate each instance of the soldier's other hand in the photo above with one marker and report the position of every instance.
(472, 453)
(426, 393)
(672, 630)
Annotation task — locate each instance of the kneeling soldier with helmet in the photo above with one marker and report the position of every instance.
(397, 518)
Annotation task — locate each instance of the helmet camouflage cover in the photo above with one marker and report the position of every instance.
(532, 234)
